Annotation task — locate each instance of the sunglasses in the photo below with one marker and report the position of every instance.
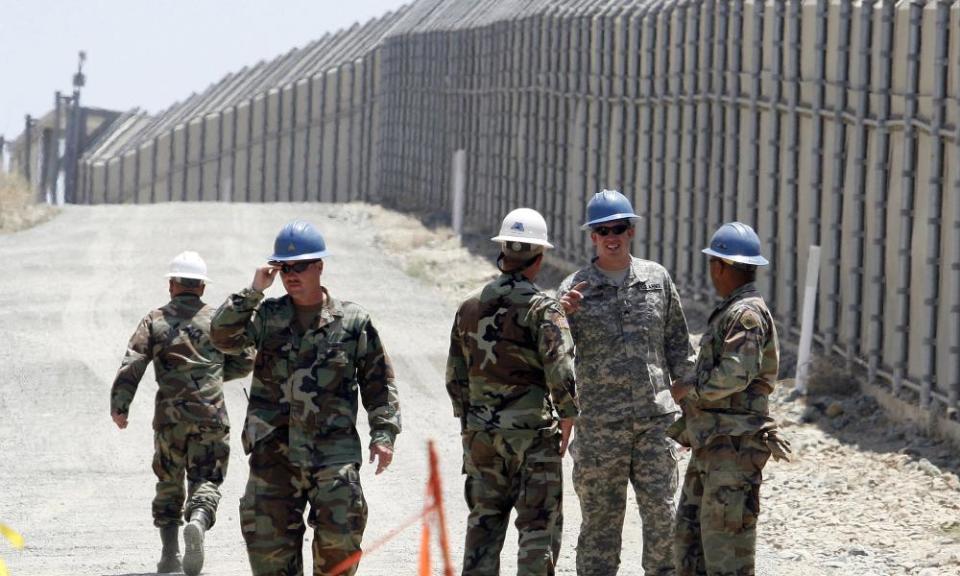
(616, 230)
(296, 267)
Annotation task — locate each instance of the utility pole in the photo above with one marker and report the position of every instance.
(27, 148)
(3, 164)
(56, 135)
(74, 132)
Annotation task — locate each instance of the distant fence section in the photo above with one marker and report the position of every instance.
(819, 122)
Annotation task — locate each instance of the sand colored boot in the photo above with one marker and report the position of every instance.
(193, 542)
(170, 555)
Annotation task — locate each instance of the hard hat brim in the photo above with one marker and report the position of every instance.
(308, 256)
(621, 216)
(525, 240)
(187, 275)
(751, 260)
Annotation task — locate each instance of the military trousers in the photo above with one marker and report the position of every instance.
(514, 469)
(273, 505)
(607, 457)
(716, 532)
(197, 453)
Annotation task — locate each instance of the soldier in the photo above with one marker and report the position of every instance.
(726, 420)
(631, 341)
(314, 352)
(510, 377)
(192, 432)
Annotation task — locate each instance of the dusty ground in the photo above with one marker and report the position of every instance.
(862, 496)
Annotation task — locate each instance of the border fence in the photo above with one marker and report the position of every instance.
(819, 122)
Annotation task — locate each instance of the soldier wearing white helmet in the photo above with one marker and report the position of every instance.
(192, 431)
(510, 378)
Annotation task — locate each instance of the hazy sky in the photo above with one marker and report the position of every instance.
(149, 53)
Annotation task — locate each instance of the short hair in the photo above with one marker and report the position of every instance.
(188, 282)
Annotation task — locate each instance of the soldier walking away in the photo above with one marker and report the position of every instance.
(192, 432)
(726, 420)
(631, 342)
(510, 377)
(314, 353)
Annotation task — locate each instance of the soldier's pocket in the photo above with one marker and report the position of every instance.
(479, 452)
(726, 502)
(542, 487)
(248, 517)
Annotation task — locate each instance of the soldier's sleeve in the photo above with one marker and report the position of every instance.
(378, 390)
(239, 365)
(134, 364)
(458, 373)
(740, 360)
(681, 358)
(233, 327)
(556, 350)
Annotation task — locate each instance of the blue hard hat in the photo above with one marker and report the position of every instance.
(736, 242)
(607, 206)
(298, 240)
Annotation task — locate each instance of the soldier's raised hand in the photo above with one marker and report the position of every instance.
(571, 300)
(264, 276)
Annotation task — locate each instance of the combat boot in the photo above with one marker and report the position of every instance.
(170, 555)
(193, 542)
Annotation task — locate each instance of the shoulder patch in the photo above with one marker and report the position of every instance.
(750, 320)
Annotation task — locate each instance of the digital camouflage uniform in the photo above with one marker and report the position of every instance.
(191, 429)
(300, 430)
(510, 377)
(631, 340)
(727, 423)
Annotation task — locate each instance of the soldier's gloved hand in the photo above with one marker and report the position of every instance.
(384, 455)
(779, 447)
(566, 428)
(263, 277)
(571, 300)
(119, 419)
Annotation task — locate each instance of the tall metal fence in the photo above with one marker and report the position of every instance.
(824, 122)
(819, 122)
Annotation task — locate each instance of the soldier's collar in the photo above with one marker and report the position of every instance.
(738, 293)
(600, 278)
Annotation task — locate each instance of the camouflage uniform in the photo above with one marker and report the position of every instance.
(726, 422)
(630, 341)
(191, 429)
(301, 431)
(510, 377)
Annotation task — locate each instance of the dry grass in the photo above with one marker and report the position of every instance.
(18, 208)
(434, 255)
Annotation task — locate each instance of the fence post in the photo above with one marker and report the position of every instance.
(856, 270)
(881, 167)
(807, 323)
(909, 182)
(459, 190)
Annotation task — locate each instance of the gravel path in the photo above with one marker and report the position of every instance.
(863, 497)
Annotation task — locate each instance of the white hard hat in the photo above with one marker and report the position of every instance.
(188, 264)
(524, 225)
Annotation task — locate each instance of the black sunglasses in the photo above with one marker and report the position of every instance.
(298, 267)
(616, 230)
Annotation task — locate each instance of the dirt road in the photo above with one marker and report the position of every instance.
(79, 489)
